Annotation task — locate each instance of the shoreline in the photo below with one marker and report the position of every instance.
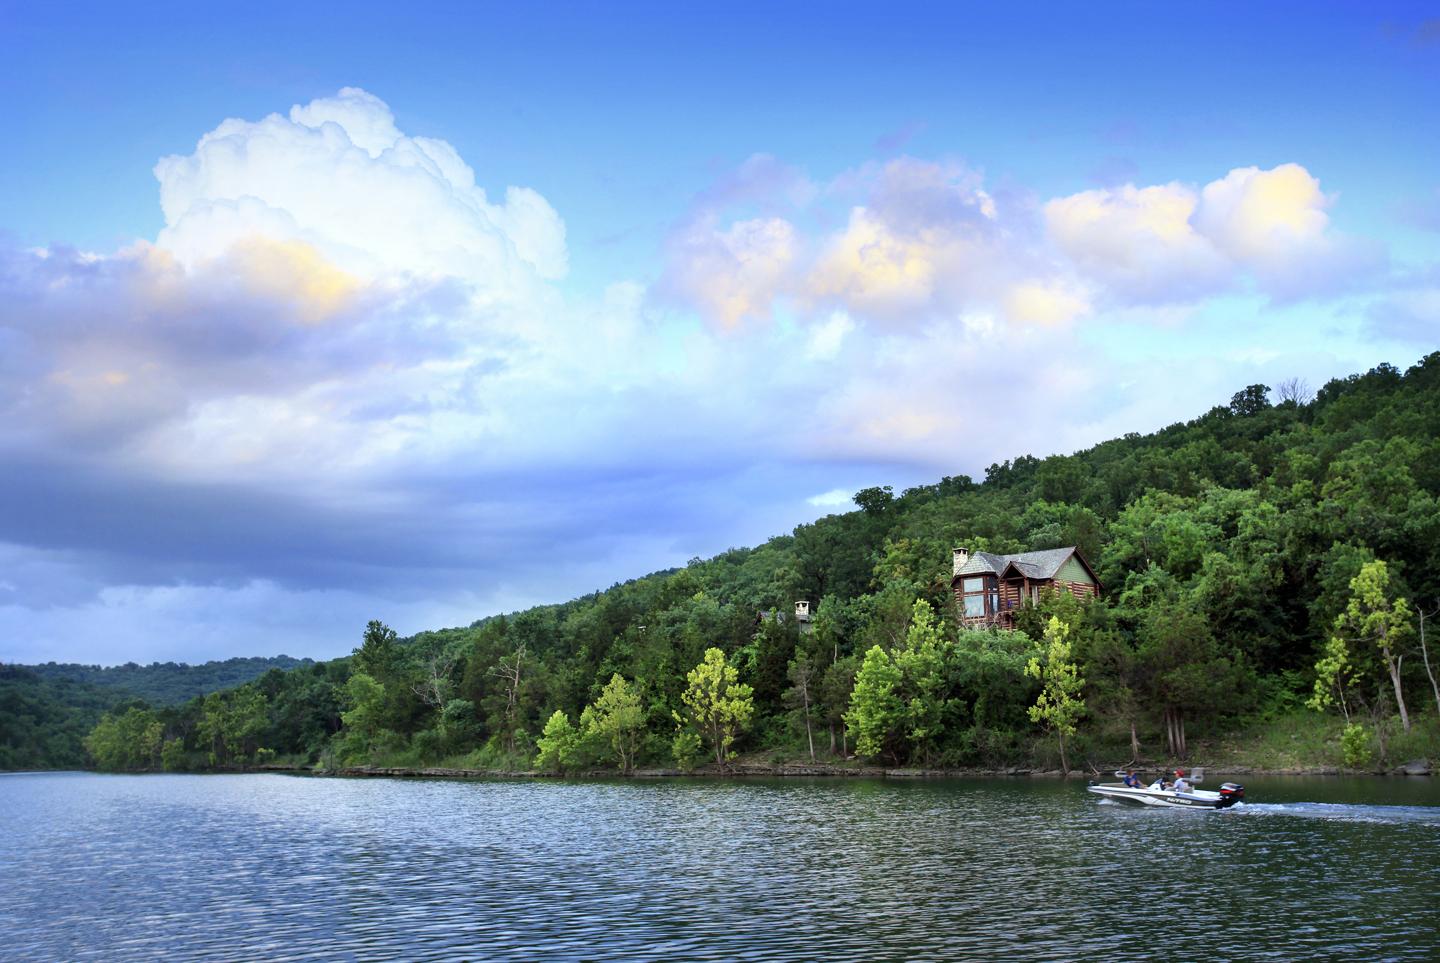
(803, 772)
(1416, 769)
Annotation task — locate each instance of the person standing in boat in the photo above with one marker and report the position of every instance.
(1181, 783)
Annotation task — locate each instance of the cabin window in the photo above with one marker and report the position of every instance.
(981, 597)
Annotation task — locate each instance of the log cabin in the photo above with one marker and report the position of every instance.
(990, 588)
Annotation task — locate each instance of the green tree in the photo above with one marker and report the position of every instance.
(557, 743)
(876, 712)
(128, 740)
(1355, 745)
(379, 655)
(685, 748)
(365, 718)
(1111, 671)
(1060, 704)
(230, 723)
(801, 674)
(989, 681)
(921, 663)
(172, 755)
(1250, 401)
(836, 684)
(1335, 676)
(1372, 617)
(1184, 673)
(618, 719)
(717, 703)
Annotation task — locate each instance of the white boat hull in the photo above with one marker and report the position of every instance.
(1194, 799)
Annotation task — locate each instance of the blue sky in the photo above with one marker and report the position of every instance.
(461, 308)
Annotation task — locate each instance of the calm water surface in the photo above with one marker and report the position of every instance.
(252, 867)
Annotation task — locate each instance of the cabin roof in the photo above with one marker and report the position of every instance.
(1042, 564)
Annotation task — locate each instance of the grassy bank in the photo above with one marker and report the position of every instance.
(1299, 742)
(1306, 741)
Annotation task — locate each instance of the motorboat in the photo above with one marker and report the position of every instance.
(1156, 794)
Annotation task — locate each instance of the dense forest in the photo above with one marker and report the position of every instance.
(1272, 559)
(47, 710)
(170, 683)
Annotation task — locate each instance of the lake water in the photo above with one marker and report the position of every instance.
(259, 867)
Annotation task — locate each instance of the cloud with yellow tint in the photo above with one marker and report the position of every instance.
(1175, 243)
(1137, 241)
(872, 269)
(735, 274)
(339, 175)
(90, 381)
(1047, 303)
(293, 273)
(1263, 217)
(925, 241)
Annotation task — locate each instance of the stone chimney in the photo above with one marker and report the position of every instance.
(802, 611)
(962, 555)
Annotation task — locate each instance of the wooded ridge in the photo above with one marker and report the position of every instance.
(1269, 563)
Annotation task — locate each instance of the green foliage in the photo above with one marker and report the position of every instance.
(1229, 549)
(172, 756)
(618, 719)
(230, 723)
(876, 712)
(1355, 746)
(992, 693)
(365, 718)
(1185, 673)
(717, 703)
(1373, 617)
(170, 683)
(685, 748)
(1060, 704)
(44, 720)
(557, 743)
(129, 740)
(1334, 676)
(922, 666)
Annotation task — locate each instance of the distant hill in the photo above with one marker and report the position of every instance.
(43, 720)
(169, 683)
(46, 710)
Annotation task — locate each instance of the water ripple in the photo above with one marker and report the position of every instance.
(275, 867)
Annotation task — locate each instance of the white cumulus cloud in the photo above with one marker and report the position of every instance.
(339, 175)
(1137, 240)
(1176, 242)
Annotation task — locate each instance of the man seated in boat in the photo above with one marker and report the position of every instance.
(1181, 783)
(1132, 781)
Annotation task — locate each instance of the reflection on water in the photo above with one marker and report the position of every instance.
(277, 867)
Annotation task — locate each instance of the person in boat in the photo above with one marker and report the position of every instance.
(1132, 781)
(1160, 784)
(1181, 783)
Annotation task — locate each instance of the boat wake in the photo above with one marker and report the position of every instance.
(1344, 812)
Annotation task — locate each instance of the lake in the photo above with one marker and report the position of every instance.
(250, 867)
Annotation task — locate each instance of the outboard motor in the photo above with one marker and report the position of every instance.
(1230, 794)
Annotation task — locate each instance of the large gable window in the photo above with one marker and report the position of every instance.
(979, 596)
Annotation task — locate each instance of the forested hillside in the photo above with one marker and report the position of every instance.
(46, 710)
(169, 683)
(42, 721)
(1271, 558)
